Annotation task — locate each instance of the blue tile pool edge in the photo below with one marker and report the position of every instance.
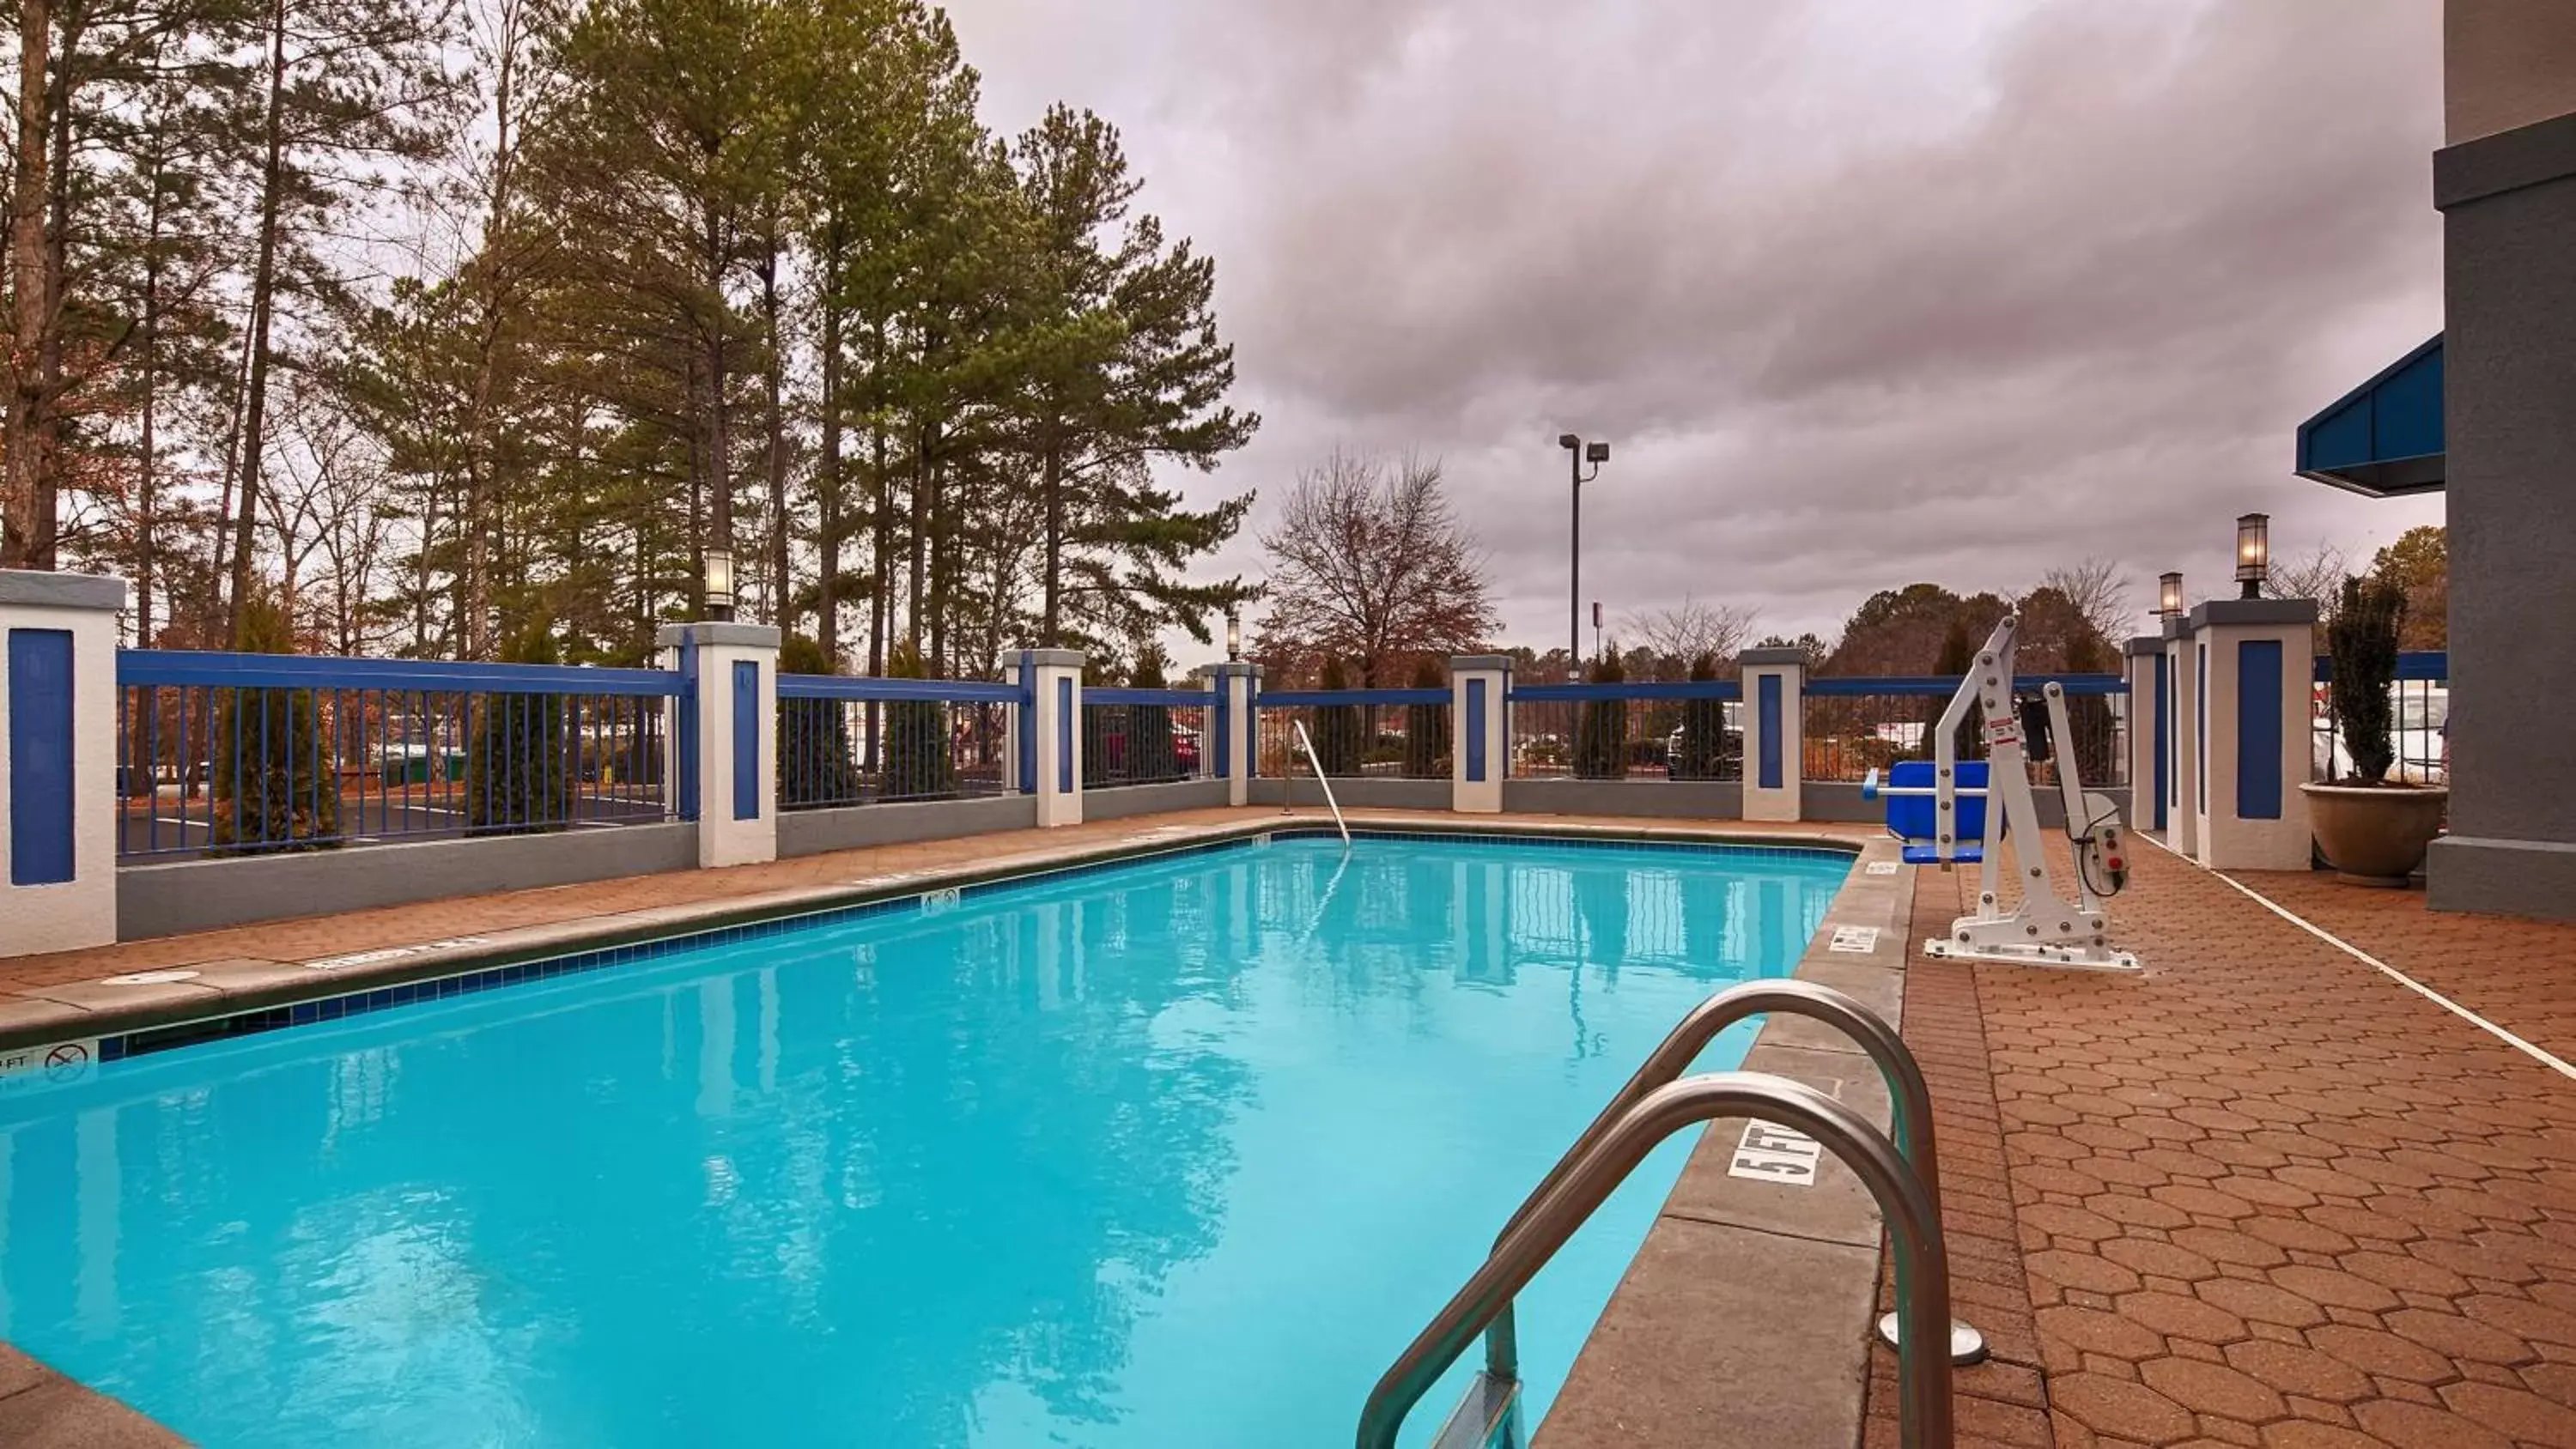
(928, 892)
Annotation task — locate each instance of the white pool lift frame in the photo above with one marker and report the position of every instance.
(2044, 927)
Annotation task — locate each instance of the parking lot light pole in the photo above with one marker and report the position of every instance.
(1578, 453)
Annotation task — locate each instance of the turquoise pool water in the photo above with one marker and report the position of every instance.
(1176, 1153)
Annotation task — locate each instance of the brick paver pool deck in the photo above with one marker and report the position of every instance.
(2264, 1195)
(2259, 1195)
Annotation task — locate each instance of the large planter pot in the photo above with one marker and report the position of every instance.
(2375, 834)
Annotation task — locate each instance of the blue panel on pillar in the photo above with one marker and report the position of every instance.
(746, 740)
(1476, 731)
(1768, 721)
(1064, 714)
(684, 734)
(2258, 729)
(2200, 724)
(1221, 739)
(2164, 735)
(1028, 728)
(41, 800)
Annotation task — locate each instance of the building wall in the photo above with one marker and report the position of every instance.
(2506, 187)
(2506, 63)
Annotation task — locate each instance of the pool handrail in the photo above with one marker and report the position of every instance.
(1326, 785)
(1551, 1216)
(1911, 1112)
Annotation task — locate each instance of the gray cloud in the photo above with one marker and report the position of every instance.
(1864, 293)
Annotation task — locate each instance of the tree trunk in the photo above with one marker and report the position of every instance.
(1050, 631)
(827, 604)
(263, 290)
(718, 462)
(782, 602)
(23, 529)
(147, 503)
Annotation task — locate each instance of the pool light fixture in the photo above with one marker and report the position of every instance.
(2253, 552)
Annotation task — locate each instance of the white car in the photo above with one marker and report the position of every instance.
(2422, 738)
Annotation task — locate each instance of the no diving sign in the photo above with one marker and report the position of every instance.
(57, 1064)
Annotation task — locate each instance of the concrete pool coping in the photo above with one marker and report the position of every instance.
(1669, 1361)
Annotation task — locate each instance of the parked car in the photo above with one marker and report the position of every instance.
(1730, 750)
(2422, 737)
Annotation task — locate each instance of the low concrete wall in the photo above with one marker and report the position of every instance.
(811, 832)
(2504, 877)
(1116, 802)
(1371, 793)
(202, 895)
(1664, 799)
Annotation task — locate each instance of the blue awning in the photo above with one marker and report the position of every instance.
(2384, 438)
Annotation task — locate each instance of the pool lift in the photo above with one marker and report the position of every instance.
(1973, 804)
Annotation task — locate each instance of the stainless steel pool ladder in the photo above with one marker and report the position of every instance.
(1651, 1106)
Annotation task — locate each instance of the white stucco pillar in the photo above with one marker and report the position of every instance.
(2254, 661)
(1480, 732)
(1232, 731)
(1049, 737)
(1774, 731)
(58, 760)
(2150, 739)
(2184, 725)
(734, 736)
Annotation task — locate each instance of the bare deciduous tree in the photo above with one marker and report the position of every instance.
(1680, 633)
(2316, 575)
(2099, 592)
(1370, 564)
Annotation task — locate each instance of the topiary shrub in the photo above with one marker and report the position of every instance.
(1338, 733)
(274, 786)
(1426, 729)
(817, 762)
(519, 766)
(917, 765)
(1601, 735)
(1703, 743)
(2363, 642)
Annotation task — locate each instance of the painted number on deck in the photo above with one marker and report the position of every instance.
(1773, 1153)
(1862, 939)
(1879, 867)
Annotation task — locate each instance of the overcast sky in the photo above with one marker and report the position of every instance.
(1861, 292)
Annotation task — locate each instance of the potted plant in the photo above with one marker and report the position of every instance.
(2371, 829)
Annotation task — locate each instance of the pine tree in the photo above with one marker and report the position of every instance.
(1601, 735)
(275, 788)
(917, 766)
(521, 769)
(1123, 367)
(816, 762)
(1150, 750)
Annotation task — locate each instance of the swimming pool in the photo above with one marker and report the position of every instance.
(1179, 1151)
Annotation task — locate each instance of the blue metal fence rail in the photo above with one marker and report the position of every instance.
(1357, 732)
(238, 754)
(1144, 736)
(846, 740)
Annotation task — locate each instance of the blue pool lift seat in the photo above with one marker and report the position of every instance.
(1910, 817)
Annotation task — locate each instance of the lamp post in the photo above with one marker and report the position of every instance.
(2253, 552)
(1577, 454)
(719, 583)
(1233, 633)
(2169, 596)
